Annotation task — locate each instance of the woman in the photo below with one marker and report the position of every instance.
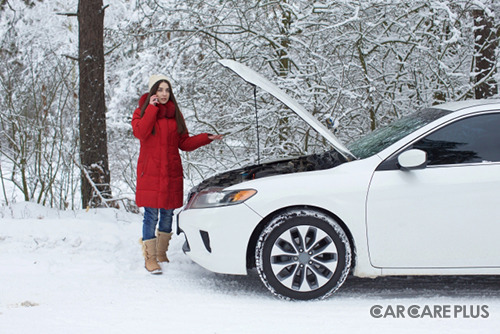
(160, 127)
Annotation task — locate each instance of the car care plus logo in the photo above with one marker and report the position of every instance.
(430, 311)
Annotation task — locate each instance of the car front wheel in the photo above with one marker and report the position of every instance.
(303, 254)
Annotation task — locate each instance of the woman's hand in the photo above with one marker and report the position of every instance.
(153, 100)
(215, 137)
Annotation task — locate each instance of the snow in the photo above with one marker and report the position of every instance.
(82, 272)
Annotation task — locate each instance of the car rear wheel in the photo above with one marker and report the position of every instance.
(303, 254)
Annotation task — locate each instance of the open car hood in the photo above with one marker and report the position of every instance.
(254, 78)
(329, 159)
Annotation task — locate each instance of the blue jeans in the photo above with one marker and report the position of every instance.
(151, 219)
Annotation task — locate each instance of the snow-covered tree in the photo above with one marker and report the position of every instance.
(359, 63)
(95, 185)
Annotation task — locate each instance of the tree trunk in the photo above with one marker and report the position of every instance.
(93, 136)
(485, 46)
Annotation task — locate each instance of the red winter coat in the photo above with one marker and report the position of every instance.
(159, 168)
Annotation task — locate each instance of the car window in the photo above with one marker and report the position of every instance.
(470, 140)
(383, 137)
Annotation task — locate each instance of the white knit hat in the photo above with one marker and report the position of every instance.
(155, 78)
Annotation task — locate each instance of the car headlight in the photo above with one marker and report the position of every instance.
(216, 197)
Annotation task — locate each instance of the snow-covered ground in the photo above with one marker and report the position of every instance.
(82, 272)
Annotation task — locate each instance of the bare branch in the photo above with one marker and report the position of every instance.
(67, 14)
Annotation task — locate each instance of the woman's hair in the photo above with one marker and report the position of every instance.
(181, 124)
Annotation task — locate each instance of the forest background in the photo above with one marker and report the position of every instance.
(355, 65)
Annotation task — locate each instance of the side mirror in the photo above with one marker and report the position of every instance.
(412, 159)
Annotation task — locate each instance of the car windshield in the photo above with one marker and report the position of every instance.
(385, 136)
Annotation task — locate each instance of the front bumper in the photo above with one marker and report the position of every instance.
(217, 238)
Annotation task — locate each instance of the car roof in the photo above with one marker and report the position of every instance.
(456, 106)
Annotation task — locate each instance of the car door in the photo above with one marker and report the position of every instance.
(446, 214)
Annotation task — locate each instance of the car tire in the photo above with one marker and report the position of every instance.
(303, 254)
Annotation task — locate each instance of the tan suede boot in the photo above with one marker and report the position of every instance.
(149, 252)
(162, 246)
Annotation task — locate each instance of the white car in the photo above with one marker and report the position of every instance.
(418, 197)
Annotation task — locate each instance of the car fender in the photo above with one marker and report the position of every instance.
(340, 191)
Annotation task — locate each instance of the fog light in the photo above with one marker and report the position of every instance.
(206, 240)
